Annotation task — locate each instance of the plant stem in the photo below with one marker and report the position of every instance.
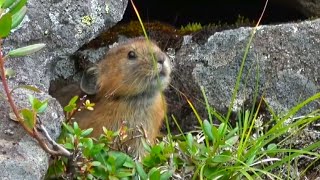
(33, 133)
(9, 97)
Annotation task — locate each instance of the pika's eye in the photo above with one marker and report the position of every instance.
(132, 55)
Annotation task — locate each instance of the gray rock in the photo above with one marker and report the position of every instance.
(64, 26)
(287, 56)
(308, 8)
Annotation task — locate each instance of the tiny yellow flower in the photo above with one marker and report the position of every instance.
(88, 105)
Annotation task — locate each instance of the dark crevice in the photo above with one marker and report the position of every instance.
(182, 12)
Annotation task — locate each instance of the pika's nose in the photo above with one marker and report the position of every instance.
(161, 59)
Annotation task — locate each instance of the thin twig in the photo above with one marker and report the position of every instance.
(59, 150)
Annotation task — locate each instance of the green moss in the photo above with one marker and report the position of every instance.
(243, 21)
(190, 27)
(313, 17)
(158, 31)
(164, 34)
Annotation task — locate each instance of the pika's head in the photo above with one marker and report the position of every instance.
(133, 68)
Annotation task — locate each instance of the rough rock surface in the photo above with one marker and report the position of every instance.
(64, 26)
(307, 7)
(286, 55)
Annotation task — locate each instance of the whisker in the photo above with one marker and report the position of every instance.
(109, 93)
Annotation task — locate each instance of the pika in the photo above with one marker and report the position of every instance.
(127, 86)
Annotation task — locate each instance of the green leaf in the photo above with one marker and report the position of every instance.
(110, 164)
(32, 100)
(69, 145)
(87, 142)
(113, 178)
(207, 129)
(28, 87)
(7, 3)
(96, 163)
(28, 117)
(251, 159)
(221, 129)
(70, 108)
(166, 175)
(145, 145)
(42, 107)
(143, 175)
(154, 174)
(75, 125)
(129, 163)
(87, 145)
(125, 173)
(247, 175)
(73, 100)
(18, 17)
(97, 148)
(37, 105)
(272, 146)
(156, 150)
(231, 141)
(86, 132)
(189, 140)
(120, 160)
(5, 25)
(222, 158)
(71, 105)
(215, 132)
(76, 128)
(26, 50)
(215, 173)
(1, 2)
(90, 176)
(9, 73)
(68, 128)
(232, 132)
(17, 6)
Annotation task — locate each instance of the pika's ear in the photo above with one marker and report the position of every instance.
(88, 82)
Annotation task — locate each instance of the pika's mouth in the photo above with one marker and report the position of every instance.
(163, 72)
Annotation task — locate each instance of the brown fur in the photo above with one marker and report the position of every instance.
(127, 90)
